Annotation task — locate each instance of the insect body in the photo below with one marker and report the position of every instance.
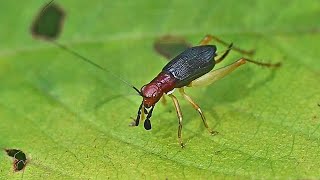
(189, 65)
(179, 72)
(190, 68)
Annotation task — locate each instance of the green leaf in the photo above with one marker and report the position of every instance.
(71, 119)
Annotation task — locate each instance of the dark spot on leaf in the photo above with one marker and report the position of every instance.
(49, 22)
(319, 104)
(170, 46)
(19, 159)
(19, 165)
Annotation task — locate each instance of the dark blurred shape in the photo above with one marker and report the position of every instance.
(49, 22)
(19, 159)
(170, 46)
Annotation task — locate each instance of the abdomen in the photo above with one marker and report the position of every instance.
(191, 64)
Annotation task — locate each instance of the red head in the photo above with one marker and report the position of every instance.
(153, 91)
(151, 94)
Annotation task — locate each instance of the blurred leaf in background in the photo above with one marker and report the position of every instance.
(71, 120)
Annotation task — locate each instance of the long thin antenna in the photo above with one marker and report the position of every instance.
(65, 48)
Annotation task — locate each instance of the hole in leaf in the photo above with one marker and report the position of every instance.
(170, 46)
(49, 22)
(19, 159)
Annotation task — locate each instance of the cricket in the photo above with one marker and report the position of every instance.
(193, 67)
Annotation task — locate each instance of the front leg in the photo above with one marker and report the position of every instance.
(197, 108)
(147, 122)
(139, 114)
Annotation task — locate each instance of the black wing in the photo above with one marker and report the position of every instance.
(191, 64)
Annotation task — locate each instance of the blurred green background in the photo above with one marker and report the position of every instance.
(72, 120)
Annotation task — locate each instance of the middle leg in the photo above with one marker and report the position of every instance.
(179, 114)
(197, 108)
(224, 55)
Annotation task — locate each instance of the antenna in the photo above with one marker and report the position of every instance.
(70, 51)
(40, 30)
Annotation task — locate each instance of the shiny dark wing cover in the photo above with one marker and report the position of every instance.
(191, 64)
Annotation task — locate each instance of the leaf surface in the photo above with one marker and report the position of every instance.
(71, 119)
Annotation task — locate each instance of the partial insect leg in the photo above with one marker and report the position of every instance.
(209, 37)
(147, 122)
(224, 55)
(140, 111)
(197, 108)
(215, 75)
(179, 114)
(263, 64)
